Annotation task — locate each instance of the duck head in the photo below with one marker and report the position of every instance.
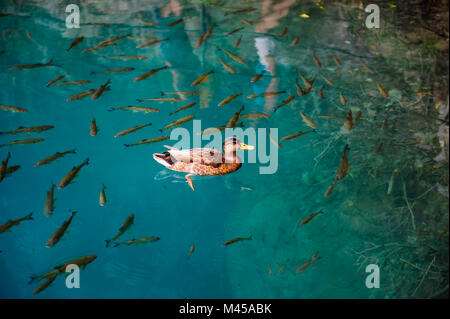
(232, 144)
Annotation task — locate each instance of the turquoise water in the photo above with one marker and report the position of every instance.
(241, 204)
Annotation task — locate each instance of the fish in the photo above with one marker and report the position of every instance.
(59, 233)
(97, 47)
(4, 166)
(300, 91)
(331, 83)
(112, 40)
(295, 41)
(150, 239)
(235, 240)
(135, 109)
(234, 31)
(226, 66)
(11, 169)
(274, 141)
(307, 120)
(205, 36)
(382, 90)
(181, 93)
(75, 43)
(29, 36)
(54, 157)
(102, 197)
(13, 109)
(171, 24)
(309, 218)
(148, 22)
(126, 57)
(201, 78)
(316, 60)
(232, 121)
(178, 122)
(100, 90)
(61, 269)
(149, 73)
(283, 32)
(289, 99)
(185, 107)
(73, 82)
(320, 94)
(337, 61)
(234, 56)
(385, 123)
(81, 95)
(149, 141)
(314, 258)
(343, 166)
(265, 94)
(32, 66)
(391, 182)
(348, 124)
(104, 25)
(56, 79)
(257, 77)
(114, 70)
(67, 179)
(308, 84)
(26, 141)
(44, 285)
(289, 137)
(6, 226)
(191, 250)
(247, 22)
(240, 10)
(133, 129)
(228, 99)
(254, 116)
(330, 189)
(28, 130)
(237, 42)
(147, 44)
(93, 129)
(126, 225)
(49, 205)
(342, 98)
(162, 99)
(357, 117)
(378, 148)
(367, 66)
(331, 117)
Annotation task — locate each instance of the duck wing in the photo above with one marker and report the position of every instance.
(205, 156)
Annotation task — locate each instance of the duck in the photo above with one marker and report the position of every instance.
(203, 161)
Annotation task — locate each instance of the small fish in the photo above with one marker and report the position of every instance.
(44, 285)
(330, 189)
(104, 25)
(289, 137)
(67, 179)
(316, 60)
(171, 24)
(178, 122)
(127, 57)
(28, 130)
(300, 91)
(201, 78)
(126, 225)
(149, 73)
(135, 109)
(6, 227)
(295, 41)
(161, 99)
(102, 197)
(11, 169)
(13, 109)
(307, 120)
(112, 40)
(114, 70)
(32, 66)
(234, 31)
(54, 157)
(342, 98)
(234, 56)
(191, 250)
(75, 42)
(237, 42)
(309, 263)
(247, 22)
(228, 99)
(100, 90)
(4, 167)
(337, 61)
(257, 77)
(382, 90)
(283, 32)
(274, 141)
(133, 129)
(97, 47)
(147, 44)
(148, 22)
(289, 99)
(56, 79)
(309, 218)
(367, 66)
(385, 123)
(265, 94)
(391, 182)
(26, 141)
(136, 242)
(227, 67)
(181, 93)
(49, 205)
(240, 10)
(343, 166)
(331, 83)
(149, 141)
(308, 84)
(73, 82)
(81, 95)
(327, 117)
(232, 121)
(205, 36)
(378, 148)
(235, 240)
(93, 129)
(187, 106)
(357, 117)
(348, 124)
(320, 94)
(254, 116)
(59, 233)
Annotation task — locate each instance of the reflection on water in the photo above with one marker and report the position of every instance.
(391, 209)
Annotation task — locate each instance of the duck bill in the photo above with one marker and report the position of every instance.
(247, 147)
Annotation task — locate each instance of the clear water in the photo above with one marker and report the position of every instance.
(244, 203)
